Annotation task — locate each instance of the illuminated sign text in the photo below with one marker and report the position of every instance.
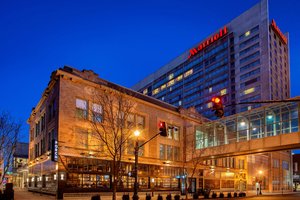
(278, 31)
(208, 42)
(54, 151)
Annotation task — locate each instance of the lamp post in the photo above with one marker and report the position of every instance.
(162, 132)
(136, 156)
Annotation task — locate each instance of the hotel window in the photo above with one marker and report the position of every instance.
(155, 91)
(81, 109)
(254, 55)
(248, 91)
(171, 82)
(171, 76)
(186, 74)
(223, 92)
(163, 87)
(97, 112)
(209, 105)
(145, 91)
(179, 78)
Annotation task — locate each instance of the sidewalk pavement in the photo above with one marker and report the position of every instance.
(23, 194)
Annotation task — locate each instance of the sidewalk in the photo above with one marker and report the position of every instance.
(25, 195)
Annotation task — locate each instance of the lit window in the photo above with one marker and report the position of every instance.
(209, 105)
(180, 103)
(210, 90)
(249, 107)
(145, 91)
(223, 92)
(81, 109)
(171, 82)
(155, 91)
(179, 77)
(248, 91)
(97, 112)
(171, 76)
(186, 74)
(247, 33)
(163, 87)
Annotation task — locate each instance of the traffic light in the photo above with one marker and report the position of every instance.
(162, 128)
(218, 106)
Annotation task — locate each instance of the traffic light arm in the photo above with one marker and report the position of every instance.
(266, 101)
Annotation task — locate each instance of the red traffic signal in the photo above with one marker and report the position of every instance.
(162, 128)
(218, 106)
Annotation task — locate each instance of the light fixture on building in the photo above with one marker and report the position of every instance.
(242, 123)
(54, 177)
(62, 177)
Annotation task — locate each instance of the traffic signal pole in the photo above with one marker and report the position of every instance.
(136, 156)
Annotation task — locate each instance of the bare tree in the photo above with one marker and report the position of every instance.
(192, 162)
(111, 112)
(9, 132)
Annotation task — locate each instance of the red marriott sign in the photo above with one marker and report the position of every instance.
(208, 42)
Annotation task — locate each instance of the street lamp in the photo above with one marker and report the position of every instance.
(163, 133)
(136, 156)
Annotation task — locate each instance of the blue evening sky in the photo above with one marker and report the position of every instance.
(122, 41)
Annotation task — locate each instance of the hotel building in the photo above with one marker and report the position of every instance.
(64, 156)
(245, 60)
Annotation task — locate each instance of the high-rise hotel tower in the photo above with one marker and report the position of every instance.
(245, 60)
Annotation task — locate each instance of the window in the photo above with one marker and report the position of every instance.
(249, 41)
(253, 72)
(162, 151)
(163, 86)
(248, 91)
(186, 74)
(254, 55)
(145, 91)
(140, 122)
(135, 121)
(176, 133)
(176, 153)
(131, 145)
(97, 112)
(169, 152)
(173, 132)
(130, 121)
(250, 65)
(223, 92)
(155, 91)
(179, 78)
(171, 82)
(81, 109)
